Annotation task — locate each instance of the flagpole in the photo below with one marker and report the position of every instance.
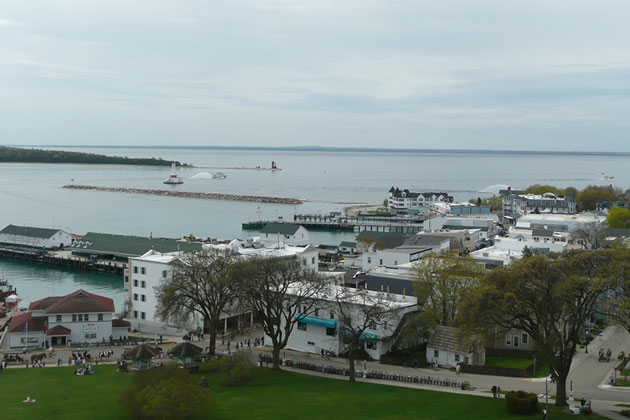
(26, 335)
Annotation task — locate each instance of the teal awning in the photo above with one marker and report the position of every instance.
(364, 335)
(313, 320)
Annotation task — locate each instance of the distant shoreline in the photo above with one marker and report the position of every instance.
(351, 150)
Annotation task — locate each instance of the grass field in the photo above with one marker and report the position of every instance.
(271, 395)
(518, 363)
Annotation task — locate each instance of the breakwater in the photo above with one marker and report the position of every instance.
(189, 194)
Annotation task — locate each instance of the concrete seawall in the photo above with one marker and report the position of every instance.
(189, 194)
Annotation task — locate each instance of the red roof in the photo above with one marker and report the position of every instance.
(58, 330)
(120, 323)
(43, 304)
(81, 302)
(18, 322)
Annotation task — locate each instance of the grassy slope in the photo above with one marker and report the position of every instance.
(272, 395)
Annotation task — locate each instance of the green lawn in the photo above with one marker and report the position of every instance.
(509, 362)
(271, 395)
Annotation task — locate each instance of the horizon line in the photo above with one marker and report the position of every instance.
(343, 149)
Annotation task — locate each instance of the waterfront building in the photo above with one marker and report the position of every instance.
(323, 329)
(275, 234)
(559, 222)
(146, 272)
(78, 317)
(404, 199)
(34, 237)
(517, 205)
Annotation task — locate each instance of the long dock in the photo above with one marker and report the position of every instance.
(60, 260)
(334, 222)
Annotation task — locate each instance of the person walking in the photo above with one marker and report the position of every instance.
(544, 413)
(494, 391)
(458, 369)
(498, 392)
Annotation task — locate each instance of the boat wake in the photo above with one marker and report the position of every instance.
(493, 189)
(202, 175)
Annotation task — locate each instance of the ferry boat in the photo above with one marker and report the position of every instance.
(219, 175)
(173, 179)
(6, 290)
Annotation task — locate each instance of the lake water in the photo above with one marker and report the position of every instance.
(32, 194)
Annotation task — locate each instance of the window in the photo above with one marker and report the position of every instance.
(372, 325)
(135, 296)
(143, 298)
(135, 270)
(515, 341)
(369, 260)
(164, 274)
(436, 353)
(313, 260)
(143, 284)
(100, 317)
(135, 283)
(524, 338)
(301, 326)
(58, 318)
(126, 279)
(86, 317)
(316, 312)
(457, 357)
(80, 317)
(380, 262)
(371, 345)
(508, 340)
(332, 314)
(74, 317)
(135, 314)
(143, 315)
(143, 270)
(331, 331)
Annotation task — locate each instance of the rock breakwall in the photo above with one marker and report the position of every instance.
(189, 194)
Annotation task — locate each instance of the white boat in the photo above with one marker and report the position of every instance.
(219, 175)
(173, 179)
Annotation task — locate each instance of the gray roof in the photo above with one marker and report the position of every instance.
(543, 232)
(424, 241)
(281, 228)
(33, 232)
(348, 244)
(388, 239)
(617, 232)
(445, 338)
(382, 283)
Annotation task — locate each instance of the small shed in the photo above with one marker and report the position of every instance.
(185, 353)
(446, 349)
(141, 355)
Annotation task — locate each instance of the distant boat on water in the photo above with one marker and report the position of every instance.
(219, 175)
(173, 179)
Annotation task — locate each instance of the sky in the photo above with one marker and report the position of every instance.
(513, 75)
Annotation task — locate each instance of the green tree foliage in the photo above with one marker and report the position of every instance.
(167, 393)
(618, 217)
(235, 370)
(587, 198)
(542, 189)
(493, 202)
(443, 281)
(15, 154)
(550, 299)
(205, 283)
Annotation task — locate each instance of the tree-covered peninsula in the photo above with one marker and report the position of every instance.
(16, 154)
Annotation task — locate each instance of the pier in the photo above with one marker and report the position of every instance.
(335, 222)
(62, 259)
(189, 194)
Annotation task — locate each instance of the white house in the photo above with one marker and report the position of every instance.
(447, 349)
(516, 205)
(404, 199)
(507, 250)
(79, 317)
(323, 329)
(275, 234)
(35, 237)
(145, 273)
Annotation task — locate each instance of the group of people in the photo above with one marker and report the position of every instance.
(243, 343)
(496, 391)
(87, 370)
(36, 364)
(585, 404)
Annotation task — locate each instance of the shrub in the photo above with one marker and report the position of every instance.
(625, 412)
(521, 402)
(164, 393)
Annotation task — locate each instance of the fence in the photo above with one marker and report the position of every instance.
(388, 376)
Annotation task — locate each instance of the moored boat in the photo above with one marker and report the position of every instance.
(173, 179)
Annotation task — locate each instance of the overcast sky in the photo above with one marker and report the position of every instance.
(531, 75)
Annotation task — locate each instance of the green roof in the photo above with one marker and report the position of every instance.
(33, 232)
(129, 246)
(281, 228)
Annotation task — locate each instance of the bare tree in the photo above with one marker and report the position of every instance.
(203, 283)
(279, 291)
(362, 310)
(592, 235)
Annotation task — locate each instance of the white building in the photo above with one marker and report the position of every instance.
(516, 205)
(145, 273)
(324, 328)
(79, 317)
(404, 199)
(446, 348)
(35, 237)
(558, 222)
(507, 250)
(276, 234)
